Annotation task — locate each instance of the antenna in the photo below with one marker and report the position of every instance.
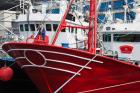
(125, 10)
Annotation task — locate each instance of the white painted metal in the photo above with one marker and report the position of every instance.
(126, 27)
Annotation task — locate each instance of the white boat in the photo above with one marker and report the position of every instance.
(122, 37)
(47, 15)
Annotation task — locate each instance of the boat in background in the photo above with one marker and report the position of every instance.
(56, 69)
(121, 37)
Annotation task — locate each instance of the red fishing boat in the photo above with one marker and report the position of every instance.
(56, 69)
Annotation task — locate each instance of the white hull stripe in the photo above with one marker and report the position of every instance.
(48, 67)
(54, 53)
(58, 61)
(69, 63)
(109, 87)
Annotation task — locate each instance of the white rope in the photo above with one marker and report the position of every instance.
(74, 75)
(119, 85)
(55, 52)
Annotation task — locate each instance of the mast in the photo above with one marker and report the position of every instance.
(92, 34)
(62, 22)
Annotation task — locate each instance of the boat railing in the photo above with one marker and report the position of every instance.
(38, 40)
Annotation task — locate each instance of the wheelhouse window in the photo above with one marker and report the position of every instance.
(26, 27)
(107, 37)
(34, 10)
(32, 27)
(53, 8)
(127, 37)
(48, 27)
(64, 30)
(48, 11)
(55, 27)
(108, 28)
(56, 11)
(72, 30)
(70, 17)
(21, 27)
(113, 28)
(75, 30)
(37, 26)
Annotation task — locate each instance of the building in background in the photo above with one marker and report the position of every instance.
(6, 18)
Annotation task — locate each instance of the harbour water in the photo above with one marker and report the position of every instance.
(20, 82)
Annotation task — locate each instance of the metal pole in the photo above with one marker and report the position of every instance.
(62, 23)
(92, 34)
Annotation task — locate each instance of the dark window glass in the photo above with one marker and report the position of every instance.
(56, 11)
(48, 27)
(106, 37)
(21, 27)
(75, 30)
(55, 27)
(107, 28)
(72, 30)
(70, 17)
(113, 28)
(34, 10)
(26, 27)
(32, 27)
(37, 26)
(69, 29)
(47, 11)
(127, 37)
(64, 30)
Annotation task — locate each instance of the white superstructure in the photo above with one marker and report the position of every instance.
(48, 15)
(126, 34)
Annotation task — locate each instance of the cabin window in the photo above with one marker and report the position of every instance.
(54, 8)
(55, 27)
(69, 29)
(48, 11)
(64, 30)
(113, 28)
(32, 27)
(70, 17)
(37, 26)
(106, 37)
(26, 27)
(56, 11)
(48, 27)
(80, 17)
(72, 30)
(75, 30)
(107, 28)
(21, 27)
(126, 37)
(34, 10)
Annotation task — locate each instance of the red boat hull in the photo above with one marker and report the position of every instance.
(60, 70)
